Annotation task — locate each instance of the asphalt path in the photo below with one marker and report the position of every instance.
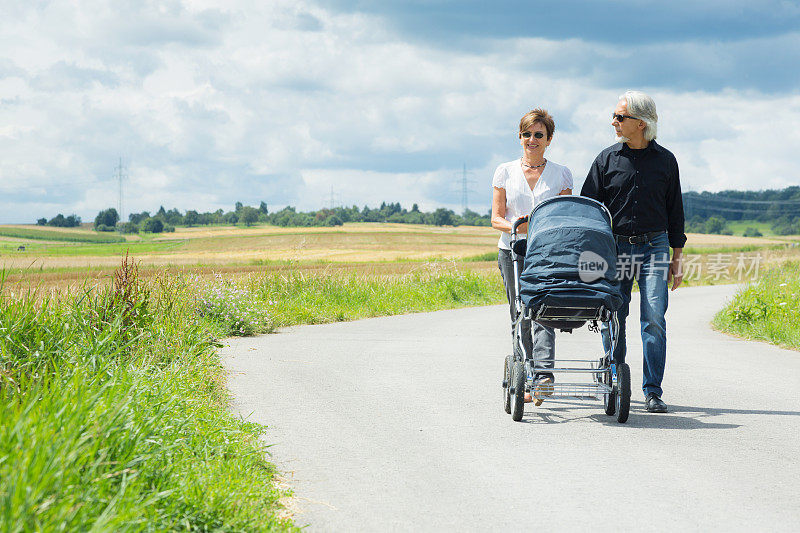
(396, 424)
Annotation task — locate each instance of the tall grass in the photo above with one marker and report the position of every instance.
(113, 407)
(298, 298)
(114, 417)
(768, 309)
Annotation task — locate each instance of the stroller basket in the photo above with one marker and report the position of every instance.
(567, 318)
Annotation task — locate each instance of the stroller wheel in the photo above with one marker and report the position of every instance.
(507, 383)
(609, 400)
(518, 398)
(623, 399)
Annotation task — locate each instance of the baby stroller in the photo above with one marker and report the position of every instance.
(568, 279)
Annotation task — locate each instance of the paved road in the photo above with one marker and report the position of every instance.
(396, 424)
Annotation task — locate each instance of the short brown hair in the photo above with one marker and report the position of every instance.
(542, 117)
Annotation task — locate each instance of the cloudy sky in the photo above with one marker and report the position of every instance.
(298, 103)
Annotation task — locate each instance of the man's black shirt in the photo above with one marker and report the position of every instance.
(641, 189)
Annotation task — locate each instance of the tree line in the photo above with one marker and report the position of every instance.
(60, 221)
(705, 212)
(166, 220)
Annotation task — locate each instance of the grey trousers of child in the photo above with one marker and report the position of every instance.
(543, 342)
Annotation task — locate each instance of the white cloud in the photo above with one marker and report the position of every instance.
(213, 103)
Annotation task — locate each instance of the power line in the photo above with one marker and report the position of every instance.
(780, 207)
(723, 199)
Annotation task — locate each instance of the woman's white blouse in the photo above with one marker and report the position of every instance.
(520, 199)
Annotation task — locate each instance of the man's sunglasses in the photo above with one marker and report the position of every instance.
(527, 135)
(620, 118)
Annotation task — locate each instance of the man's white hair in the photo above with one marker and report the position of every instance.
(643, 107)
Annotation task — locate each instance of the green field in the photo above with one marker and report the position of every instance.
(56, 235)
(738, 227)
(95, 249)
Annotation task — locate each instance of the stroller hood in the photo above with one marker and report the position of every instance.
(571, 257)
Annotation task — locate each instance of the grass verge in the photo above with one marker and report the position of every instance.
(114, 410)
(114, 416)
(768, 309)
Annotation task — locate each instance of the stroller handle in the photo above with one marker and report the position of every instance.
(517, 223)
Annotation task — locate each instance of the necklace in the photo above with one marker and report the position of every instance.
(524, 164)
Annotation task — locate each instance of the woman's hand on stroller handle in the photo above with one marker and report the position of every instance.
(517, 223)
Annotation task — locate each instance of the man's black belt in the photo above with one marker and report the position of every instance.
(638, 239)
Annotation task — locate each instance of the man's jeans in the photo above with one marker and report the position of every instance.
(649, 264)
(542, 346)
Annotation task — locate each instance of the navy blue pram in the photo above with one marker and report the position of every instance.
(568, 278)
(571, 260)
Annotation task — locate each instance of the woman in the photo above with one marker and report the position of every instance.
(519, 186)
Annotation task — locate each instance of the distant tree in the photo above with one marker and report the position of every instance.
(333, 220)
(696, 224)
(58, 221)
(41, 222)
(108, 218)
(786, 226)
(191, 218)
(248, 215)
(173, 217)
(138, 218)
(127, 227)
(414, 217)
(323, 214)
(161, 212)
(751, 232)
(415, 208)
(153, 225)
(238, 206)
(263, 208)
(715, 224)
(230, 218)
(443, 217)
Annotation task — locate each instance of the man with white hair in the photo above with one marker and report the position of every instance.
(638, 180)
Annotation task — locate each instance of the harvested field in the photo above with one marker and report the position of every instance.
(221, 246)
(368, 248)
(361, 227)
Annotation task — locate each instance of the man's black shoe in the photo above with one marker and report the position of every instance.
(654, 404)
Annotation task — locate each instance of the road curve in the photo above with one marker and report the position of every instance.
(396, 424)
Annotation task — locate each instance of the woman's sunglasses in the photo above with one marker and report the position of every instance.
(620, 118)
(527, 135)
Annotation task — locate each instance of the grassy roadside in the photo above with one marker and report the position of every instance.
(768, 309)
(115, 414)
